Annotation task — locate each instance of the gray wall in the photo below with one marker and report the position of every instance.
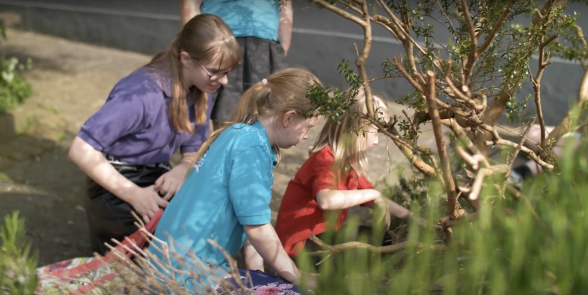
(320, 40)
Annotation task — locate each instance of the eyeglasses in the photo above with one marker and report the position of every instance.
(211, 76)
(214, 76)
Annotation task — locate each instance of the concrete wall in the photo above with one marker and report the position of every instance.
(320, 40)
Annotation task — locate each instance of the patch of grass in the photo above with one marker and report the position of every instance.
(63, 136)
(27, 126)
(51, 109)
(4, 176)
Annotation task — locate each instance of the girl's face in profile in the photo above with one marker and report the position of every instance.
(371, 137)
(295, 130)
(206, 77)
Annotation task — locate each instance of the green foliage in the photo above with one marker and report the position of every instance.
(14, 89)
(504, 65)
(17, 265)
(332, 104)
(2, 29)
(535, 245)
(514, 108)
(570, 45)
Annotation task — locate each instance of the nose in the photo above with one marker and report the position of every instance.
(376, 140)
(224, 79)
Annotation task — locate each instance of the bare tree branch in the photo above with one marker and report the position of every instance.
(516, 152)
(387, 24)
(583, 39)
(565, 125)
(536, 81)
(406, 75)
(547, 7)
(364, 22)
(339, 11)
(473, 41)
(377, 250)
(447, 17)
(457, 92)
(351, 6)
(479, 180)
(361, 59)
(395, 21)
(439, 139)
(467, 218)
(496, 27)
(524, 149)
(405, 148)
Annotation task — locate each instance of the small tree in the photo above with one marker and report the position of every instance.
(488, 59)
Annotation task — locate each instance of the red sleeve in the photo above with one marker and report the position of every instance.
(323, 173)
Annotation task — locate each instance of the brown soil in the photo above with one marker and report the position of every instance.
(71, 81)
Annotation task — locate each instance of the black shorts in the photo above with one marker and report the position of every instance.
(110, 217)
(261, 58)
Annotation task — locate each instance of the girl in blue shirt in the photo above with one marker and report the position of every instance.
(226, 196)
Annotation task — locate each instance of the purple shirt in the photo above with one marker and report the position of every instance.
(134, 126)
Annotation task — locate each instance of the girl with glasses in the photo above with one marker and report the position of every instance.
(126, 146)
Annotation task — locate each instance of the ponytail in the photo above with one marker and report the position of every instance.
(246, 112)
(279, 93)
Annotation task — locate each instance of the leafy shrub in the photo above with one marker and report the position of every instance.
(14, 89)
(17, 265)
(532, 245)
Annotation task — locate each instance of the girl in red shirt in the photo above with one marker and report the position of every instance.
(334, 178)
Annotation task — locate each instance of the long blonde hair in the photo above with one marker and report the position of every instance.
(205, 37)
(283, 91)
(347, 137)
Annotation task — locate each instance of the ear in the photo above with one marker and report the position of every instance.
(288, 118)
(186, 59)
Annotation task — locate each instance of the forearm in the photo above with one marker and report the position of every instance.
(253, 260)
(339, 199)
(285, 26)
(397, 210)
(265, 240)
(186, 162)
(189, 9)
(95, 165)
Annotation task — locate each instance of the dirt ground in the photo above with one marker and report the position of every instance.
(71, 81)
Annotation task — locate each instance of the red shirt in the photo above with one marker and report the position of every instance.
(299, 214)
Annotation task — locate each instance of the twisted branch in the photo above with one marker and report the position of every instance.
(436, 122)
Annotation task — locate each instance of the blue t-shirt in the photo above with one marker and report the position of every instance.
(247, 18)
(230, 186)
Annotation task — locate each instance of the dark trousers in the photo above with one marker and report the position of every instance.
(110, 217)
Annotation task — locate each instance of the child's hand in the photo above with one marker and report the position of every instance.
(146, 202)
(170, 182)
(381, 208)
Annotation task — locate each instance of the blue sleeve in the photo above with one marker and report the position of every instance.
(123, 113)
(201, 132)
(250, 182)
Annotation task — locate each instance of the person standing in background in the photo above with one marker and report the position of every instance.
(263, 29)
